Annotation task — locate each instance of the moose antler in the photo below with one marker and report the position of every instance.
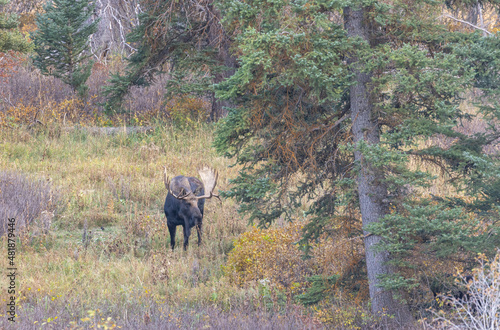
(165, 178)
(166, 181)
(209, 178)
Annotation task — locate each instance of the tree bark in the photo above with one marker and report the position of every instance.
(218, 38)
(371, 190)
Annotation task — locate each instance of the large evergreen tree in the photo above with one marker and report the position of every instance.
(334, 100)
(10, 37)
(62, 41)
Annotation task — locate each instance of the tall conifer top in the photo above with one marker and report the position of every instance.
(10, 37)
(62, 41)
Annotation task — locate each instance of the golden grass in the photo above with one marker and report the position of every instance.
(116, 182)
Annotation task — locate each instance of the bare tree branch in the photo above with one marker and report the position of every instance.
(467, 23)
(118, 18)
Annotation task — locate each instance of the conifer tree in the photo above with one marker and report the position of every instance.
(186, 35)
(334, 101)
(10, 37)
(62, 41)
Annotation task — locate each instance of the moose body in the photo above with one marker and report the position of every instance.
(185, 203)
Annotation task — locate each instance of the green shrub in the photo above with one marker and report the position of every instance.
(270, 255)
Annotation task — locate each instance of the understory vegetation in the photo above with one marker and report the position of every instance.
(92, 244)
(356, 145)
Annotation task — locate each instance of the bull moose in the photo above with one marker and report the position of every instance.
(186, 200)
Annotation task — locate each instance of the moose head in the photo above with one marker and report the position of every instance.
(186, 200)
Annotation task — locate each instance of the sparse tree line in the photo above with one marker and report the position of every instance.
(331, 109)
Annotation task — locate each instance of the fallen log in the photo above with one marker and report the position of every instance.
(111, 130)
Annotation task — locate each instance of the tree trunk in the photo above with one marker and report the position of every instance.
(218, 38)
(371, 190)
(117, 19)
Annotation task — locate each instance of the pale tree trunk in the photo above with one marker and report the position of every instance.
(117, 19)
(372, 192)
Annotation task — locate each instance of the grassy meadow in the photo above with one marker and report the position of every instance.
(123, 274)
(92, 246)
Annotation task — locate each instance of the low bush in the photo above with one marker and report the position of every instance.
(187, 111)
(329, 280)
(30, 202)
(479, 306)
(149, 314)
(270, 255)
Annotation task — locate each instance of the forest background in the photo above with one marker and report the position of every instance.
(356, 144)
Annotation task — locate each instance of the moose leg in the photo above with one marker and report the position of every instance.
(187, 232)
(172, 229)
(198, 229)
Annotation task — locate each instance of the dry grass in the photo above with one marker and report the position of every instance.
(31, 203)
(24, 93)
(126, 270)
(111, 189)
(115, 183)
(111, 192)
